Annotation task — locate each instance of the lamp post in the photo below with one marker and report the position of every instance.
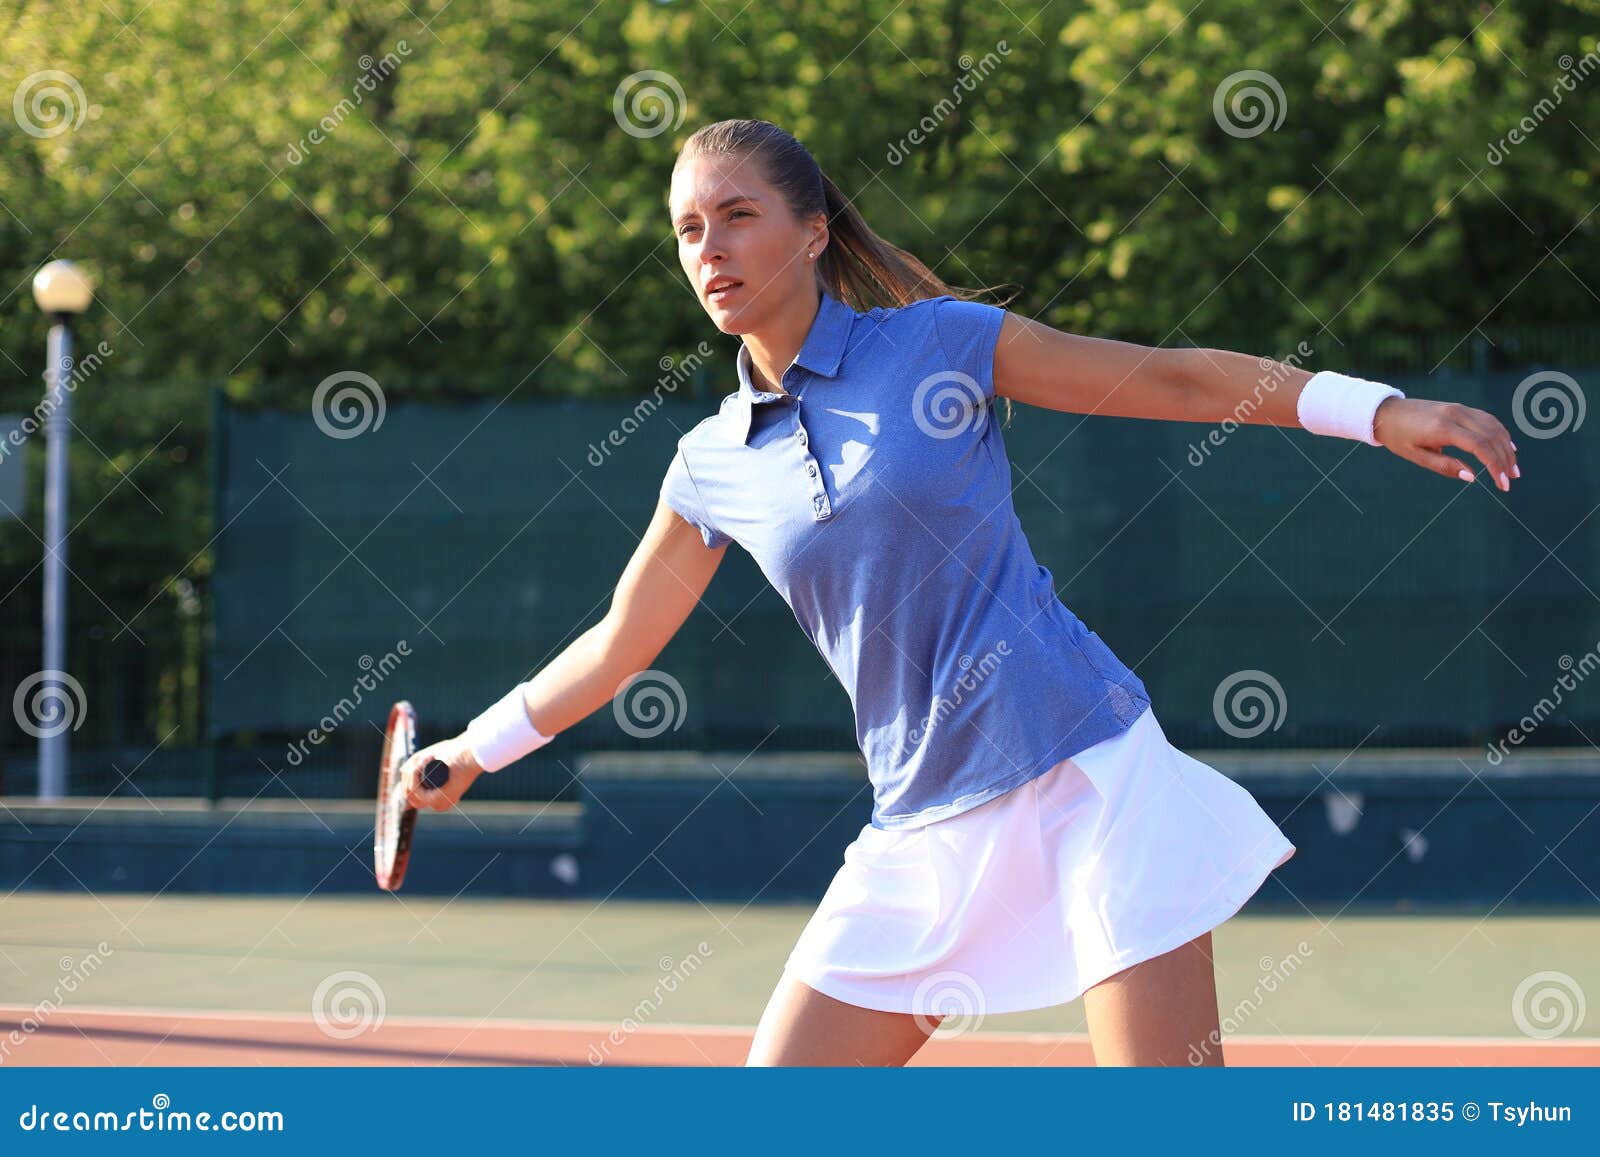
(63, 291)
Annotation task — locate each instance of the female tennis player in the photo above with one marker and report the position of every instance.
(1034, 837)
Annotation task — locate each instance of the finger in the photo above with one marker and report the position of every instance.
(1444, 464)
(1483, 435)
(1512, 469)
(411, 766)
(417, 791)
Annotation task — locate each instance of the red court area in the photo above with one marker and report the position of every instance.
(139, 1038)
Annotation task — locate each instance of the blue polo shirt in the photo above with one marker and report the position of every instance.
(875, 494)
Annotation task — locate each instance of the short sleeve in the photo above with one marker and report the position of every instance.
(678, 490)
(968, 331)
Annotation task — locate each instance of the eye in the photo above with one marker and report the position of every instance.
(731, 214)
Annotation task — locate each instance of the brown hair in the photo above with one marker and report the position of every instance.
(858, 267)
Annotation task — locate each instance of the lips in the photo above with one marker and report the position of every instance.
(723, 287)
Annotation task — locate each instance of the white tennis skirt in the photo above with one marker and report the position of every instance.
(1125, 851)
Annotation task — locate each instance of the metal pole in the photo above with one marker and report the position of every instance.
(53, 741)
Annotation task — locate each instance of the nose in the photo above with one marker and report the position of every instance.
(711, 246)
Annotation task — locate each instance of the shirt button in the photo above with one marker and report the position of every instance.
(811, 469)
(801, 434)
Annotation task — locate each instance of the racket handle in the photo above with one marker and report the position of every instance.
(436, 774)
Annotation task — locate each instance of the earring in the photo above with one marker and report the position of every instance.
(811, 256)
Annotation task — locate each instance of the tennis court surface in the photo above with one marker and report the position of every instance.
(143, 980)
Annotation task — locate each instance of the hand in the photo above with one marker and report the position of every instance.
(1418, 430)
(464, 772)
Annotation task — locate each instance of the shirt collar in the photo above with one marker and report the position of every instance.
(822, 353)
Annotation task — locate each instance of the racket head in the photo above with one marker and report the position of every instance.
(391, 837)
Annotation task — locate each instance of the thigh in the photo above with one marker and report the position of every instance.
(802, 1026)
(1161, 1011)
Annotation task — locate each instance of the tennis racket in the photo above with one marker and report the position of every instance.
(391, 837)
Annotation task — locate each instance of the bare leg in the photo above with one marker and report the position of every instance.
(801, 1026)
(1162, 1011)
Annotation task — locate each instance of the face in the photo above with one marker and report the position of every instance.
(732, 225)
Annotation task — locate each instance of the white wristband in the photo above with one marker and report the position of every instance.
(1342, 406)
(504, 734)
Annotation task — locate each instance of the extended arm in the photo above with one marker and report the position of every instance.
(1042, 366)
(661, 584)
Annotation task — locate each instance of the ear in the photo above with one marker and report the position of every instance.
(819, 234)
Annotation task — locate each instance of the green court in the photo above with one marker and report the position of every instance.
(1363, 978)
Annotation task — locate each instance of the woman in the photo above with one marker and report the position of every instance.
(1034, 837)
